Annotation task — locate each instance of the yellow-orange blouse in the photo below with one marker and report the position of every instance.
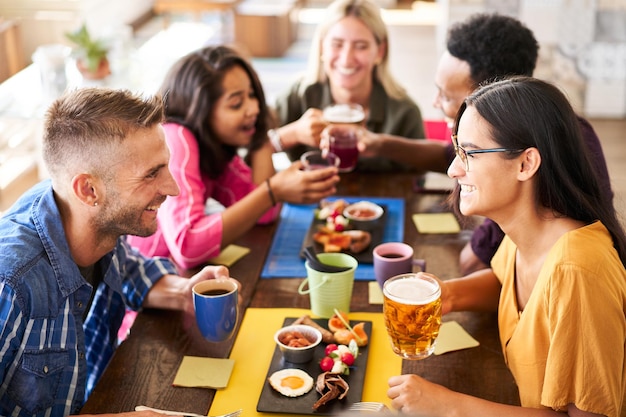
(568, 345)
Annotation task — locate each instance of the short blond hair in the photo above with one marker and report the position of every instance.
(82, 127)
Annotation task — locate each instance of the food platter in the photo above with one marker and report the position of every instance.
(271, 401)
(377, 231)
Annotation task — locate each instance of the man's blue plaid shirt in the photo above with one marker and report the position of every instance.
(50, 359)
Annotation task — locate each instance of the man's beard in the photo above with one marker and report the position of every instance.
(116, 220)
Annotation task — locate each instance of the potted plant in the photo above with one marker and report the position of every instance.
(91, 54)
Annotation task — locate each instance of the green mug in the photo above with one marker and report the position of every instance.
(330, 290)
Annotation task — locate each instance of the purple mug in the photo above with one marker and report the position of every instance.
(394, 258)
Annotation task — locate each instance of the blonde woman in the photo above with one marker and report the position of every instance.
(348, 63)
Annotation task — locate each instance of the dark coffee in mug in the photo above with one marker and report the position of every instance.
(215, 291)
(392, 255)
(394, 258)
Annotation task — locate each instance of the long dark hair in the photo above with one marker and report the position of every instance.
(524, 112)
(190, 90)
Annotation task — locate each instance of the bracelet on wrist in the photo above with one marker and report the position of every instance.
(275, 140)
(270, 192)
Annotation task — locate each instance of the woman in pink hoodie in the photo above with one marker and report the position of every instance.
(216, 128)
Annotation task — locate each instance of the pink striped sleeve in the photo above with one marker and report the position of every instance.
(191, 236)
(186, 234)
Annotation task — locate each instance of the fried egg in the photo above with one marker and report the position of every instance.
(291, 382)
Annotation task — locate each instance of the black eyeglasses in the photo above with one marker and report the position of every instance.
(462, 153)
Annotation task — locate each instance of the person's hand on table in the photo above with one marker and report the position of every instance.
(294, 185)
(413, 395)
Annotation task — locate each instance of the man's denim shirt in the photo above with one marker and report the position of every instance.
(50, 359)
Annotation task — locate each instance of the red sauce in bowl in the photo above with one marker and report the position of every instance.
(362, 213)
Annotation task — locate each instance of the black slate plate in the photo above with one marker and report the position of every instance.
(366, 257)
(273, 402)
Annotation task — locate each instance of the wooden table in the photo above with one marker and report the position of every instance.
(144, 366)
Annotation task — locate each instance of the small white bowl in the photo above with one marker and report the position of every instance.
(298, 354)
(363, 214)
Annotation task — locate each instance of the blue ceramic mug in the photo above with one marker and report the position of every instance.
(215, 303)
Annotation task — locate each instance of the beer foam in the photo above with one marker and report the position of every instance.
(343, 113)
(412, 291)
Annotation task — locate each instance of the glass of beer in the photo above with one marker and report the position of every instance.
(412, 313)
(344, 114)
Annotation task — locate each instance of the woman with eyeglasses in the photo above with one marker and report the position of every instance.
(558, 280)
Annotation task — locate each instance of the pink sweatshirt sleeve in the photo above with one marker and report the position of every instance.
(191, 236)
(235, 183)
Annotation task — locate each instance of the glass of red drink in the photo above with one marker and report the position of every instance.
(342, 141)
(319, 159)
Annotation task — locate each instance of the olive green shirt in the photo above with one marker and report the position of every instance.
(400, 117)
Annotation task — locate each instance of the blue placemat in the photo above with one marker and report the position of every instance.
(284, 261)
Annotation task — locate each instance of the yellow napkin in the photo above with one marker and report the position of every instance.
(230, 255)
(436, 223)
(201, 372)
(255, 346)
(375, 293)
(453, 337)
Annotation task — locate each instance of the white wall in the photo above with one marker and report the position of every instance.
(582, 46)
(46, 21)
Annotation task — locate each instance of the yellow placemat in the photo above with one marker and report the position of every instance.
(254, 347)
(195, 371)
(453, 337)
(436, 223)
(230, 255)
